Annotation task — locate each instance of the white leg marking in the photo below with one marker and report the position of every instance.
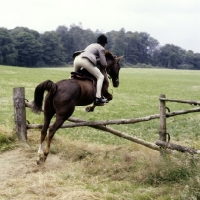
(40, 150)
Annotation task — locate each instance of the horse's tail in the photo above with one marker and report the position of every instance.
(47, 85)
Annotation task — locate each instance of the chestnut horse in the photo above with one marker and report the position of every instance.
(63, 96)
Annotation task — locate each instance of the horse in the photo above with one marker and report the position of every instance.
(64, 95)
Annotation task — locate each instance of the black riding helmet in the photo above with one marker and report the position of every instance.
(102, 39)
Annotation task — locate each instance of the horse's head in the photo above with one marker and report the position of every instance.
(113, 67)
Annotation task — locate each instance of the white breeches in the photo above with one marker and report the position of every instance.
(85, 63)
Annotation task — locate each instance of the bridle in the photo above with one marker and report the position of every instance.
(111, 70)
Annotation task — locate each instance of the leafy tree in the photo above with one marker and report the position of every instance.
(78, 41)
(111, 39)
(196, 61)
(18, 30)
(90, 36)
(129, 51)
(133, 48)
(152, 47)
(8, 54)
(62, 32)
(53, 51)
(118, 46)
(29, 49)
(171, 56)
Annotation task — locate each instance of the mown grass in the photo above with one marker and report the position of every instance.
(113, 167)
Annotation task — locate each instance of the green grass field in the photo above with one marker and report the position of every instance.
(145, 177)
(137, 96)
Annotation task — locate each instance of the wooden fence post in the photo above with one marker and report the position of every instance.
(162, 128)
(20, 113)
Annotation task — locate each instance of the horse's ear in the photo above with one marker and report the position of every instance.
(120, 58)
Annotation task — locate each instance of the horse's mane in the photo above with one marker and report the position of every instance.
(108, 54)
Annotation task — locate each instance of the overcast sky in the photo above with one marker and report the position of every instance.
(169, 21)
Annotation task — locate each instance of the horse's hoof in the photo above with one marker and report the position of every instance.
(38, 162)
(41, 161)
(89, 109)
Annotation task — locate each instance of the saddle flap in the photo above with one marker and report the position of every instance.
(82, 75)
(76, 75)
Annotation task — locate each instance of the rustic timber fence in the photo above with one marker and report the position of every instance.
(21, 126)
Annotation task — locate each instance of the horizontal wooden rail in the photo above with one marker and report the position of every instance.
(176, 147)
(181, 112)
(181, 101)
(105, 122)
(119, 121)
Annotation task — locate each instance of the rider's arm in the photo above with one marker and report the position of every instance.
(102, 58)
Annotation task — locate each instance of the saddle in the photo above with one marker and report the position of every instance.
(83, 74)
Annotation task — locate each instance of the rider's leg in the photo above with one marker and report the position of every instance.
(99, 76)
(77, 63)
(85, 63)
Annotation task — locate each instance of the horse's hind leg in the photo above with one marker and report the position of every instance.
(60, 119)
(47, 119)
(52, 130)
(48, 114)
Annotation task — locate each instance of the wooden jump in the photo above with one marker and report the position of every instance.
(21, 126)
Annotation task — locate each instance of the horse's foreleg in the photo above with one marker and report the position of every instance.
(90, 108)
(106, 94)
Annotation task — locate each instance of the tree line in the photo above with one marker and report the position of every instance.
(25, 47)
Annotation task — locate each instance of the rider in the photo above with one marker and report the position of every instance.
(88, 59)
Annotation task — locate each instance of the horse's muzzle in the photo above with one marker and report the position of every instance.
(116, 83)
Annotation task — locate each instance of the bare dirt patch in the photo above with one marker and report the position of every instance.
(21, 178)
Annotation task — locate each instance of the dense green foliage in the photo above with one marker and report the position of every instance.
(24, 47)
